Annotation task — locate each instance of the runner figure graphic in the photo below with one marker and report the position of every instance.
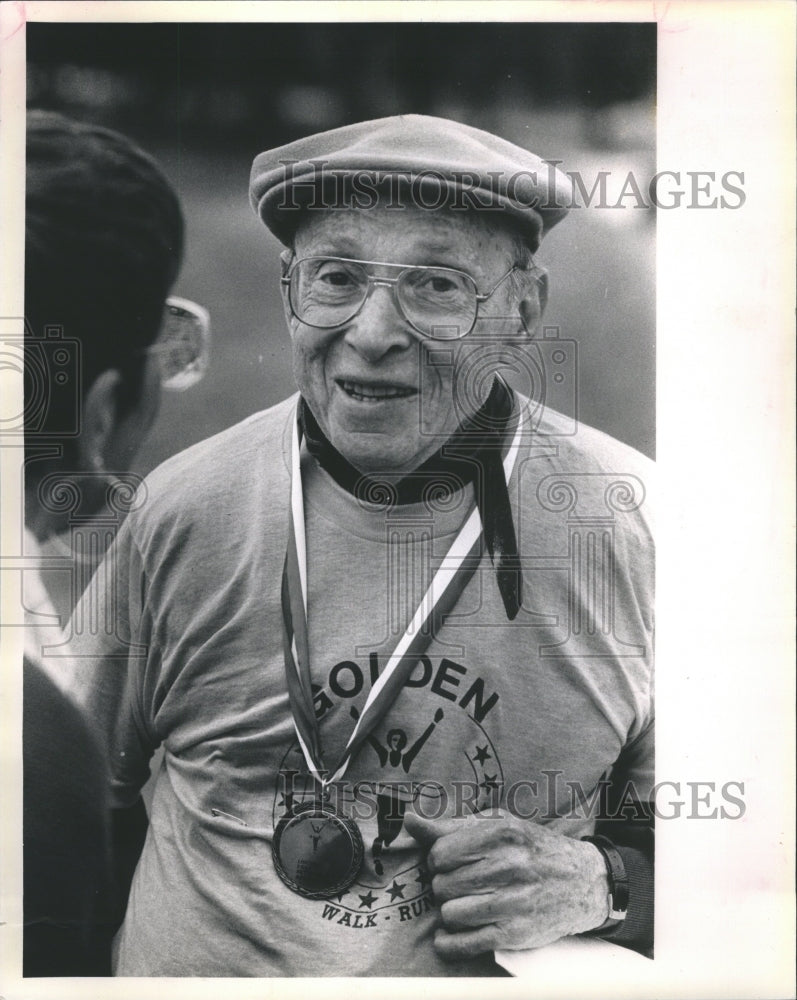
(390, 805)
(316, 834)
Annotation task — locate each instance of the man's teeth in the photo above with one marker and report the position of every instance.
(374, 392)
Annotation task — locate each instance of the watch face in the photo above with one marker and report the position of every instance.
(316, 852)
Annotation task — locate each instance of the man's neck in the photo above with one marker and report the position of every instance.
(453, 462)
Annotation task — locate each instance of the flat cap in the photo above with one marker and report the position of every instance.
(432, 161)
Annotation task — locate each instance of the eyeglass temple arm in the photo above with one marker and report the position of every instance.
(483, 296)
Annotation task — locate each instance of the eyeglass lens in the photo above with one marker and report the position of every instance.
(182, 347)
(438, 302)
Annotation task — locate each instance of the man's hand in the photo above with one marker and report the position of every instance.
(507, 883)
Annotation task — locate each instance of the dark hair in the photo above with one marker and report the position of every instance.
(103, 245)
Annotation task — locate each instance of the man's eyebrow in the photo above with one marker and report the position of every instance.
(430, 253)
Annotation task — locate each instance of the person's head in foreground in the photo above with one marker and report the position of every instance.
(396, 630)
(103, 245)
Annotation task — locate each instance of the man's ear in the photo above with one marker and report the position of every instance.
(100, 412)
(532, 306)
(286, 259)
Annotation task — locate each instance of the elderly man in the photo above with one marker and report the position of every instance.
(394, 633)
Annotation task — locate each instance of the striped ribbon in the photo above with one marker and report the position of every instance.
(444, 591)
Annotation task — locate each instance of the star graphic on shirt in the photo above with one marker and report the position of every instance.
(481, 755)
(396, 890)
(489, 782)
(340, 895)
(368, 900)
(423, 878)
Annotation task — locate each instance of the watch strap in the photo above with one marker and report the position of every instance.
(618, 883)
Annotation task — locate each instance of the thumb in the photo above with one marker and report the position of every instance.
(427, 831)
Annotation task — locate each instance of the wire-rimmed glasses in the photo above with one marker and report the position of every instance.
(441, 303)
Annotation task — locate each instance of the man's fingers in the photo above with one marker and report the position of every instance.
(452, 843)
(481, 910)
(471, 840)
(503, 919)
(427, 831)
(463, 944)
(483, 875)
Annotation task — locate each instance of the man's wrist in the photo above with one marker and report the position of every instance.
(616, 881)
(598, 891)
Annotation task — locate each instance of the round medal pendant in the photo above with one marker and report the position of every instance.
(316, 852)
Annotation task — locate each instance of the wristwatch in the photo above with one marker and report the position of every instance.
(618, 883)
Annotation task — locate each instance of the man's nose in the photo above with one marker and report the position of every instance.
(379, 327)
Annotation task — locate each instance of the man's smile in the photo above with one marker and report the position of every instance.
(375, 391)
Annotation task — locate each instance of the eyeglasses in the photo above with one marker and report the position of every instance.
(183, 344)
(441, 303)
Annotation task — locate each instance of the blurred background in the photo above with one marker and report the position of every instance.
(206, 98)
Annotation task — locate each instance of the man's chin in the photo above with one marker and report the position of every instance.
(380, 465)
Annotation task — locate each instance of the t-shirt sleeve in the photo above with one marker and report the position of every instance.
(108, 635)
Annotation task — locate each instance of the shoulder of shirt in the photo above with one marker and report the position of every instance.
(565, 447)
(220, 466)
(585, 447)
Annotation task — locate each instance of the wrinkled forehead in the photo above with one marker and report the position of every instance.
(405, 233)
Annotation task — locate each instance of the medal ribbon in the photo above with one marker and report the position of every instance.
(448, 583)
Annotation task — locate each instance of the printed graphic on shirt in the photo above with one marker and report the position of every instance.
(399, 760)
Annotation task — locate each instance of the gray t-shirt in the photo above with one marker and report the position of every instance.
(526, 716)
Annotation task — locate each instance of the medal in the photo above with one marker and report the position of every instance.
(316, 851)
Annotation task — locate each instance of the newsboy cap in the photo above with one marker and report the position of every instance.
(432, 161)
